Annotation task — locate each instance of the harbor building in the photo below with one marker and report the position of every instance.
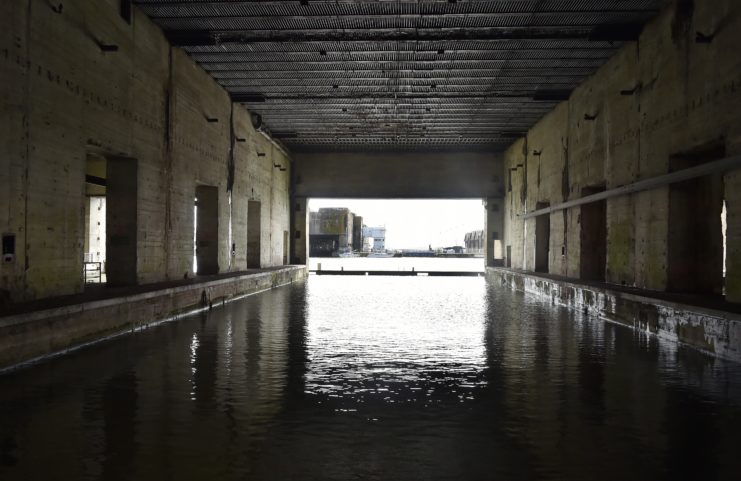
(474, 242)
(330, 231)
(378, 234)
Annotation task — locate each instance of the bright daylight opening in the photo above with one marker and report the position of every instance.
(396, 235)
(94, 249)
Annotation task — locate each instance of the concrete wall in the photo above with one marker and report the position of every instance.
(663, 95)
(62, 97)
(398, 175)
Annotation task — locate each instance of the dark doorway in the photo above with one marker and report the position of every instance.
(695, 237)
(542, 238)
(593, 237)
(207, 230)
(286, 240)
(253, 234)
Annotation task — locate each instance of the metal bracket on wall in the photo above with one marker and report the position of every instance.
(715, 167)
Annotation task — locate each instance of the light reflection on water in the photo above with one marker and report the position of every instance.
(397, 345)
(376, 378)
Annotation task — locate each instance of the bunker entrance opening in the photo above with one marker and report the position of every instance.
(412, 236)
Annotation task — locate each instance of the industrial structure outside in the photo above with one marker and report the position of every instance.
(335, 231)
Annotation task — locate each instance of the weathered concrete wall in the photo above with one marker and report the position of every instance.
(663, 95)
(301, 234)
(398, 175)
(712, 331)
(25, 337)
(62, 97)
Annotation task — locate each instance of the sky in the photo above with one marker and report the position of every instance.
(415, 224)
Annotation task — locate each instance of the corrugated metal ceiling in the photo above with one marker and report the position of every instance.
(400, 74)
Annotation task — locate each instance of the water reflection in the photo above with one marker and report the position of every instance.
(376, 378)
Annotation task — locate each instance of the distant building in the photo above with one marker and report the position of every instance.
(357, 233)
(378, 234)
(474, 242)
(330, 231)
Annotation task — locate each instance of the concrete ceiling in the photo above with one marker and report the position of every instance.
(400, 74)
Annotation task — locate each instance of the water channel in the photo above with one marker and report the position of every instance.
(378, 378)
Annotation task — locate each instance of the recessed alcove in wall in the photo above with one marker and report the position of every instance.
(254, 234)
(206, 227)
(695, 242)
(593, 237)
(542, 238)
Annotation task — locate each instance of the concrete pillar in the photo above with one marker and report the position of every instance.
(121, 221)
(494, 231)
(300, 238)
(733, 236)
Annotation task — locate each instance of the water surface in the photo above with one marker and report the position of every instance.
(379, 378)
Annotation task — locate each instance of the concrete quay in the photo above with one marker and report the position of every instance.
(32, 333)
(713, 327)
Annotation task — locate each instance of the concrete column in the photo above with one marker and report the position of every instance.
(300, 237)
(494, 231)
(121, 221)
(733, 236)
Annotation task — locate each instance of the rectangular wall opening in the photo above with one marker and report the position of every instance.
(94, 242)
(206, 230)
(695, 246)
(253, 234)
(542, 238)
(109, 245)
(398, 236)
(593, 237)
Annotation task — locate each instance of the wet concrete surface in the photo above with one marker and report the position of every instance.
(393, 378)
(97, 292)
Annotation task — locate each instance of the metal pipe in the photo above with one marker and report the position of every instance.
(715, 167)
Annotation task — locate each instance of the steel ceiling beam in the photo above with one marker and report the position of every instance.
(407, 74)
(610, 33)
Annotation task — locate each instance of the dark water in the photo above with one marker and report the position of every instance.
(376, 378)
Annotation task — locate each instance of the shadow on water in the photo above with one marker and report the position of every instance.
(376, 378)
